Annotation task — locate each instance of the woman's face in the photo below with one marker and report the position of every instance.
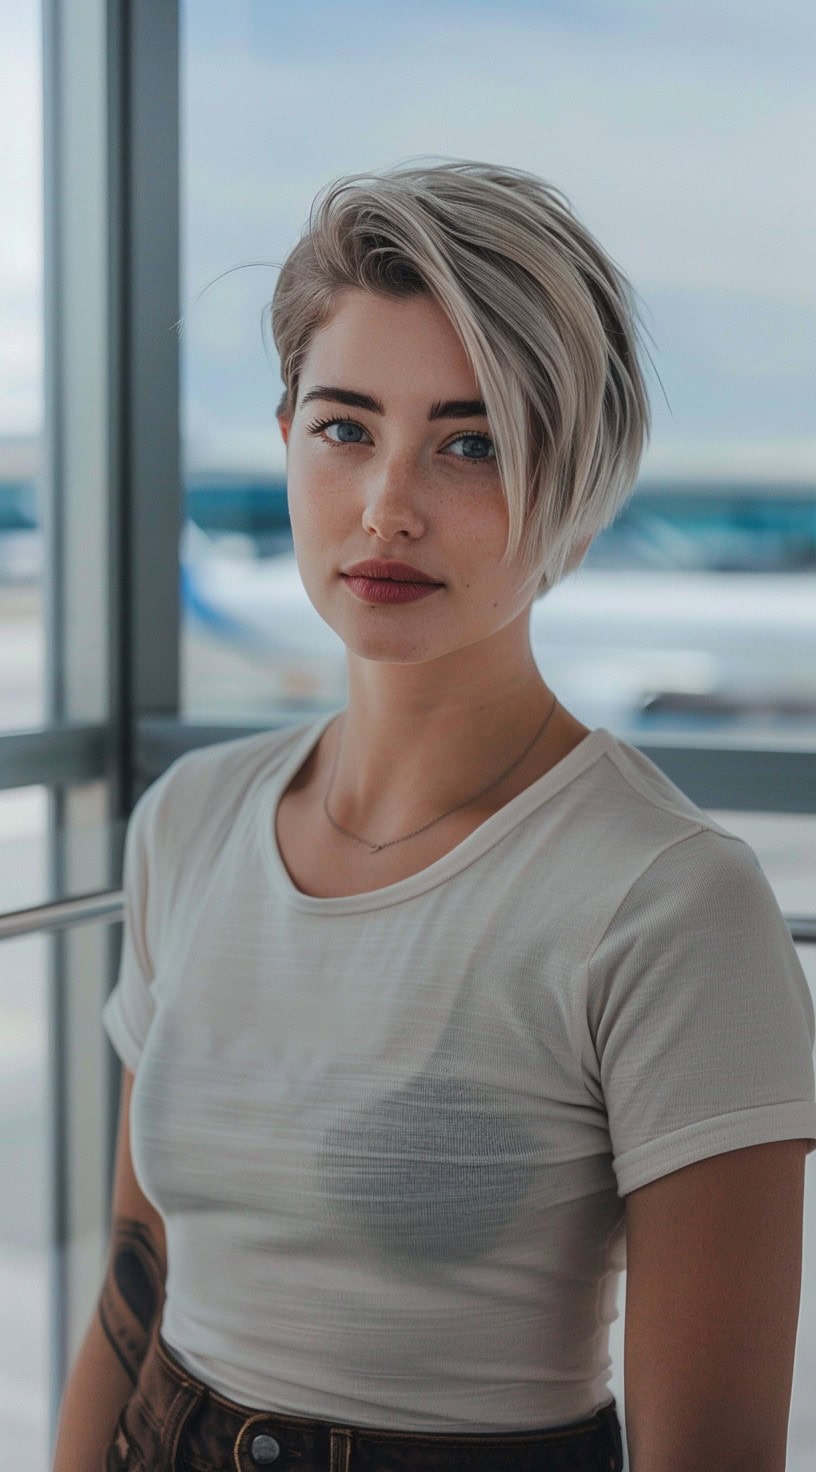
(398, 484)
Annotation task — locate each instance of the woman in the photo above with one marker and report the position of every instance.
(443, 1009)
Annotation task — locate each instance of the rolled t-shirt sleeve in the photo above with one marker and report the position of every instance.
(128, 1011)
(700, 1013)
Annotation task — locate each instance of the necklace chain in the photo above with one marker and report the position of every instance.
(375, 847)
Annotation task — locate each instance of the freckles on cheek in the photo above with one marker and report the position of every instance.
(321, 526)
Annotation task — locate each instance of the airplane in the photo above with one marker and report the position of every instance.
(667, 620)
(697, 607)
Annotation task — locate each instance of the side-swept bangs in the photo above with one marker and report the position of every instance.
(548, 322)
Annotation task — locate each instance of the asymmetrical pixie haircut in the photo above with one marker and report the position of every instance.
(547, 321)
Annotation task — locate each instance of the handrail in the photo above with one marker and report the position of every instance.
(110, 904)
(60, 914)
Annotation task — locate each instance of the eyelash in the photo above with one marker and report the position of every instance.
(319, 425)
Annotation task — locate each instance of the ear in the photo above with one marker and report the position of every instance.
(284, 423)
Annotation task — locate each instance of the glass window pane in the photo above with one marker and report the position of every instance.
(719, 541)
(26, 1077)
(26, 876)
(24, 1213)
(22, 655)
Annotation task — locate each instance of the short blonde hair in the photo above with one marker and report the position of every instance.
(548, 323)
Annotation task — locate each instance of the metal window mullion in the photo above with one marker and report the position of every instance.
(74, 517)
(110, 511)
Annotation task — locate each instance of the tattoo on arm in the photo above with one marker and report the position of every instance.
(132, 1293)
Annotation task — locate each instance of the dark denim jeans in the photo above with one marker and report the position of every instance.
(173, 1422)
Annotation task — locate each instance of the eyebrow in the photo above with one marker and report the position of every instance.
(449, 409)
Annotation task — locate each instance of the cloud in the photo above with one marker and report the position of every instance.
(749, 460)
(683, 159)
(676, 131)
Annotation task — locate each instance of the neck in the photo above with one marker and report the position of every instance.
(395, 767)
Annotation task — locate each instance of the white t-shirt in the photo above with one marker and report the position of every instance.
(389, 1134)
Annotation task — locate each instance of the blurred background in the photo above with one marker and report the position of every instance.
(149, 595)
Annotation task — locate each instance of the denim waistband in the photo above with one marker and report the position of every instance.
(174, 1422)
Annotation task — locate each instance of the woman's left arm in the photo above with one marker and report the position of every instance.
(713, 1285)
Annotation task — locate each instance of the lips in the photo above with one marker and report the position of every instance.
(390, 590)
(389, 570)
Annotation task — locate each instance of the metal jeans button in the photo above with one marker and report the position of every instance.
(264, 1449)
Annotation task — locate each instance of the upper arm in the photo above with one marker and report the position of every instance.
(129, 1203)
(713, 1281)
(133, 1291)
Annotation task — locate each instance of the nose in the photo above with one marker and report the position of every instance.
(392, 499)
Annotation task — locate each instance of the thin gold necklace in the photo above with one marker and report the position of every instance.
(375, 847)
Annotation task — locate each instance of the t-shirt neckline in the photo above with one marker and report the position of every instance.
(458, 858)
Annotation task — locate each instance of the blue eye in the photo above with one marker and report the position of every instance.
(318, 426)
(481, 439)
(321, 424)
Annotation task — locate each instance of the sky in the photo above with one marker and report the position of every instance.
(681, 133)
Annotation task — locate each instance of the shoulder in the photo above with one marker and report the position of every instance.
(649, 788)
(637, 844)
(699, 944)
(195, 801)
(687, 908)
(700, 886)
(219, 771)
